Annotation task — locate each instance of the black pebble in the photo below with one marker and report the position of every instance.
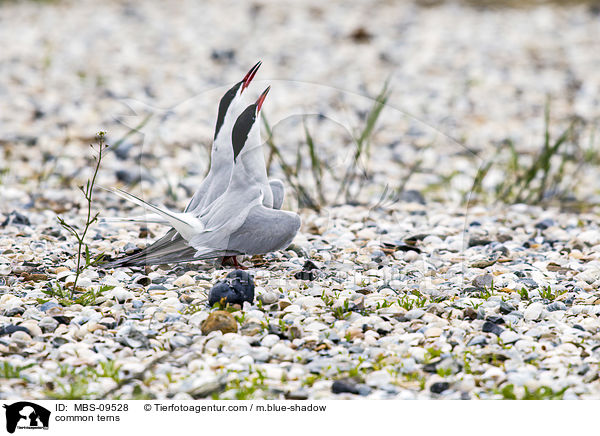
(506, 308)
(544, 224)
(412, 196)
(309, 265)
(11, 328)
(490, 327)
(439, 387)
(16, 219)
(348, 385)
(304, 275)
(237, 287)
(15, 311)
(495, 319)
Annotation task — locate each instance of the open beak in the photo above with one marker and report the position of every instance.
(250, 75)
(261, 99)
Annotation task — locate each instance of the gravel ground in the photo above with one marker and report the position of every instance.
(420, 297)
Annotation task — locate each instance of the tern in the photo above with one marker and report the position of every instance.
(209, 223)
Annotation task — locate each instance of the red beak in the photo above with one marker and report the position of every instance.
(250, 75)
(261, 99)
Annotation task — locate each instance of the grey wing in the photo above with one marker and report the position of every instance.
(278, 192)
(265, 230)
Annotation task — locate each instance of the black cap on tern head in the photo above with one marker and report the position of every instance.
(244, 123)
(226, 100)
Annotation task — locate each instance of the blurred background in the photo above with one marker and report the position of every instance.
(451, 101)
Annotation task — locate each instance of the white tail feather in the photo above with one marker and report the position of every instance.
(185, 223)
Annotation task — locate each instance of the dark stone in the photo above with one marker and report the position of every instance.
(401, 247)
(300, 394)
(495, 319)
(227, 55)
(578, 327)
(143, 280)
(411, 240)
(11, 328)
(431, 367)
(412, 196)
(345, 385)
(439, 387)
(506, 308)
(63, 319)
(122, 151)
(556, 305)
(474, 224)
(477, 340)
(155, 287)
(15, 311)
(544, 224)
(15, 219)
(304, 275)
(470, 313)
(309, 265)
(47, 305)
(57, 341)
(237, 287)
(490, 327)
(128, 177)
(530, 283)
(501, 249)
(475, 242)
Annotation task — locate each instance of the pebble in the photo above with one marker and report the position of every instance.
(556, 305)
(533, 311)
(219, 320)
(483, 281)
(184, 280)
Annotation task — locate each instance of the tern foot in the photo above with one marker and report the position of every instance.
(229, 260)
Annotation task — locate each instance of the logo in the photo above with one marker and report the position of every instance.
(26, 415)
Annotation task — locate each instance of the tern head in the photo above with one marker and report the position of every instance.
(246, 128)
(232, 97)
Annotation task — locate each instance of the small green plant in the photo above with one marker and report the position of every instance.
(541, 393)
(9, 371)
(349, 182)
(363, 147)
(475, 305)
(64, 298)
(548, 294)
(76, 386)
(342, 311)
(409, 303)
(192, 308)
(83, 248)
(524, 294)
(543, 176)
(110, 369)
(432, 353)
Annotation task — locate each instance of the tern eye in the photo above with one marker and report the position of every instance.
(224, 106)
(241, 129)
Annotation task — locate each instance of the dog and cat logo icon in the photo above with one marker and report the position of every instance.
(26, 415)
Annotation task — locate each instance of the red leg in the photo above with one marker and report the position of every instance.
(237, 265)
(233, 259)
